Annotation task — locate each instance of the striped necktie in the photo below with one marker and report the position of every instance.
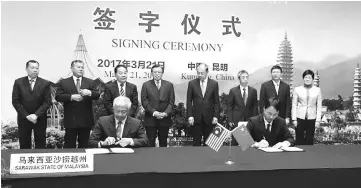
(121, 89)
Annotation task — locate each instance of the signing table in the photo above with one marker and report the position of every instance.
(201, 167)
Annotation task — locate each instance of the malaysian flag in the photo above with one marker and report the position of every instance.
(217, 137)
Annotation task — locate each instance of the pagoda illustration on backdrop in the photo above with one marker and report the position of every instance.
(357, 89)
(56, 111)
(316, 81)
(284, 60)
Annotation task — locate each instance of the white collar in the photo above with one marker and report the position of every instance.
(33, 79)
(275, 83)
(74, 78)
(266, 122)
(243, 87)
(205, 80)
(160, 81)
(123, 84)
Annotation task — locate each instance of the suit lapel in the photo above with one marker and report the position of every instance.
(249, 94)
(116, 88)
(208, 87)
(37, 84)
(262, 124)
(274, 88)
(71, 82)
(161, 89)
(282, 85)
(27, 84)
(126, 128)
(112, 126)
(84, 83)
(198, 85)
(239, 94)
(152, 83)
(274, 127)
(128, 90)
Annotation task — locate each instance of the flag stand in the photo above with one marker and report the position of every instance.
(230, 162)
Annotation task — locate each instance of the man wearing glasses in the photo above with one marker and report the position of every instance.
(268, 129)
(157, 97)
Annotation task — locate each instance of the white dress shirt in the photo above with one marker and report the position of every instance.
(204, 85)
(242, 90)
(277, 85)
(266, 123)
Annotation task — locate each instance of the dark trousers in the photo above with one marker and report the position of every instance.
(72, 134)
(161, 131)
(25, 129)
(305, 131)
(200, 130)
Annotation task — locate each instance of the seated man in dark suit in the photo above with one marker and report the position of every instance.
(119, 129)
(268, 129)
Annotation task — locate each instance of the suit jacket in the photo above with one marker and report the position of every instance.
(300, 104)
(105, 127)
(27, 101)
(161, 100)
(111, 92)
(237, 110)
(197, 105)
(77, 114)
(279, 130)
(268, 90)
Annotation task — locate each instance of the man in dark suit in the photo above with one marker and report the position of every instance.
(279, 89)
(158, 101)
(269, 129)
(242, 102)
(120, 87)
(202, 105)
(119, 130)
(31, 99)
(77, 93)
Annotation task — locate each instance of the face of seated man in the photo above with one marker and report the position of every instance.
(120, 112)
(270, 114)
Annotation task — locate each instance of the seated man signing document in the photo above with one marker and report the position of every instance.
(268, 129)
(119, 129)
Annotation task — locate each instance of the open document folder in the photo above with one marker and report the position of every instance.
(288, 149)
(110, 150)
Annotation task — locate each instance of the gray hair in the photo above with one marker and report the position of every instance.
(241, 72)
(205, 65)
(122, 101)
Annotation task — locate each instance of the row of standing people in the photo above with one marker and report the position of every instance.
(31, 99)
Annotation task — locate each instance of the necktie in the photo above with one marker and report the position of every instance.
(119, 130)
(244, 96)
(268, 131)
(78, 85)
(121, 89)
(203, 87)
(32, 83)
(277, 88)
(158, 85)
(269, 127)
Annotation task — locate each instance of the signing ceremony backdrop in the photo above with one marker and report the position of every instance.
(228, 36)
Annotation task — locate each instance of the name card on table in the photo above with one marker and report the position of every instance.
(28, 163)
